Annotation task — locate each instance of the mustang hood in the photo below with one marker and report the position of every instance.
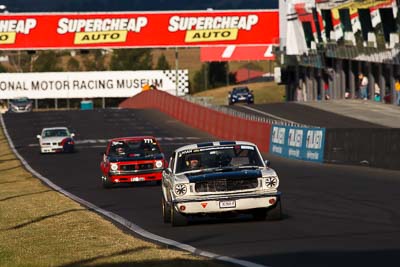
(239, 174)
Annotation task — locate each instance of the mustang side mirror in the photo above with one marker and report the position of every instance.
(72, 134)
(38, 136)
(168, 170)
(268, 163)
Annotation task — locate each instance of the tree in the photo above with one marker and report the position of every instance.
(199, 81)
(217, 74)
(45, 62)
(162, 63)
(2, 68)
(131, 59)
(73, 64)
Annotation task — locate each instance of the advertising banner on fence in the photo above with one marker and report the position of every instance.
(236, 52)
(139, 29)
(298, 142)
(91, 84)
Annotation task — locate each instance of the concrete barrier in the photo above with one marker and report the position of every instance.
(378, 147)
(221, 125)
(375, 147)
(302, 143)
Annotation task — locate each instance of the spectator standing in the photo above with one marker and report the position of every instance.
(299, 94)
(327, 91)
(377, 91)
(363, 86)
(397, 89)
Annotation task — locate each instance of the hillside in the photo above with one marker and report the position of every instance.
(264, 92)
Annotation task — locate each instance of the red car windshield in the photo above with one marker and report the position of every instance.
(134, 148)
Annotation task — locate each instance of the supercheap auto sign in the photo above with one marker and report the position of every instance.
(140, 29)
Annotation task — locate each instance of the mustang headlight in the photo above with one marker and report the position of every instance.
(159, 164)
(180, 189)
(114, 166)
(272, 182)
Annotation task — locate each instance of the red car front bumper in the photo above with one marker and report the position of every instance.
(137, 177)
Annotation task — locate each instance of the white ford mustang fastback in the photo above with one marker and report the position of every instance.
(56, 140)
(218, 178)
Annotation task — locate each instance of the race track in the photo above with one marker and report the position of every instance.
(303, 114)
(334, 215)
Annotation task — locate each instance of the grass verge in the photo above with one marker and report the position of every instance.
(264, 92)
(41, 227)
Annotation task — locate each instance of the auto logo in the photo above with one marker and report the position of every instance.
(204, 205)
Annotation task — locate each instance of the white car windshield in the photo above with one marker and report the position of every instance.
(55, 133)
(231, 157)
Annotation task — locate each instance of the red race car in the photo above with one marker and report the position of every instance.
(132, 159)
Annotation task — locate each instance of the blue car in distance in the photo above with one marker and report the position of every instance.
(240, 94)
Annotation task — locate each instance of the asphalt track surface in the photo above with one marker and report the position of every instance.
(333, 215)
(303, 114)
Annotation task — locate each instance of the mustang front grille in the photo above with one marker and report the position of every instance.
(225, 185)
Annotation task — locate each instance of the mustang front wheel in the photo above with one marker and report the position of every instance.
(260, 214)
(177, 219)
(166, 211)
(275, 213)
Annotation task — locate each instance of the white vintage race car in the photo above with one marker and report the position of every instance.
(56, 140)
(217, 178)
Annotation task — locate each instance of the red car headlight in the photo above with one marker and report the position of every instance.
(114, 166)
(159, 164)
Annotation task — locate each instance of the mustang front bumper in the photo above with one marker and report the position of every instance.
(217, 204)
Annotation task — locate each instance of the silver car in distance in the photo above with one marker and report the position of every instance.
(56, 140)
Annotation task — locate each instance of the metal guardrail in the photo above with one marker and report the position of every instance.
(206, 102)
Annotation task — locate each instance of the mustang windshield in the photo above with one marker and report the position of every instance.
(238, 156)
(134, 148)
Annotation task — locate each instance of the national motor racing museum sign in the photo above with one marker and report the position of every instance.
(91, 84)
(139, 29)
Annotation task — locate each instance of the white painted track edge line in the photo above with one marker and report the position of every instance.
(129, 225)
(269, 114)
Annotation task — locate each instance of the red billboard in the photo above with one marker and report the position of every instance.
(236, 53)
(139, 29)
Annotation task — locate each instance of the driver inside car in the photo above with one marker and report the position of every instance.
(193, 163)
